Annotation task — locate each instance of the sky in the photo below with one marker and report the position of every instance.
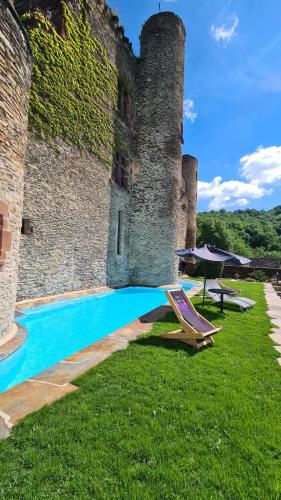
(232, 97)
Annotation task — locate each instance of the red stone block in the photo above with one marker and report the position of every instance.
(3, 208)
(5, 240)
(4, 222)
(2, 257)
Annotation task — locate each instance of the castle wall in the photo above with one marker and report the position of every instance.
(182, 216)
(15, 68)
(157, 165)
(70, 199)
(189, 174)
(118, 265)
(67, 200)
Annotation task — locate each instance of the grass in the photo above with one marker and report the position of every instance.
(158, 421)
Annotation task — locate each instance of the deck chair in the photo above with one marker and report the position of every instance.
(242, 302)
(195, 329)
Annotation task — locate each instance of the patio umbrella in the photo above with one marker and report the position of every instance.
(211, 253)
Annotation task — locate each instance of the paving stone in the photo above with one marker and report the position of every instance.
(26, 304)
(276, 322)
(65, 372)
(277, 348)
(276, 338)
(109, 345)
(28, 397)
(273, 298)
(276, 330)
(279, 361)
(98, 349)
(5, 431)
(274, 313)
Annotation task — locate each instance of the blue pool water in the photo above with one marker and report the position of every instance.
(60, 329)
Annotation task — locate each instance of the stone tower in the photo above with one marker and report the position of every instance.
(158, 161)
(189, 174)
(15, 71)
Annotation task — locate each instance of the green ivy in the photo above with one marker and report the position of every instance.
(74, 88)
(124, 84)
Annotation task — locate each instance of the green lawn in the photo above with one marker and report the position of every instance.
(159, 421)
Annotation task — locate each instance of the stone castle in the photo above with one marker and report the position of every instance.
(94, 190)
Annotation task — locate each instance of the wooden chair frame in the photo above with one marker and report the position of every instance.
(188, 334)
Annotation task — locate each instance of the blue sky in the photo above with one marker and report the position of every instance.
(232, 95)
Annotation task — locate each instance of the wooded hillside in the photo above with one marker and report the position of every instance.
(250, 232)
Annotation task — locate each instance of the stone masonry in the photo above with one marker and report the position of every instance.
(15, 69)
(188, 204)
(189, 174)
(70, 199)
(157, 164)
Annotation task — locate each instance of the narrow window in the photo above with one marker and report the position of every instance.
(120, 232)
(120, 171)
(27, 227)
(182, 141)
(125, 106)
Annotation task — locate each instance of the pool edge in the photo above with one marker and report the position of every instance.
(15, 343)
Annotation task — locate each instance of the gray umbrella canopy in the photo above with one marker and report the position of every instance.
(211, 253)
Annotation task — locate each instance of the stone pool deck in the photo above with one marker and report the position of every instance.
(274, 312)
(53, 383)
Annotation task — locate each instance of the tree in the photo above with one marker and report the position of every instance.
(215, 232)
(253, 233)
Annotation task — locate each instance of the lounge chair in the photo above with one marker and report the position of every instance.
(234, 291)
(243, 302)
(196, 330)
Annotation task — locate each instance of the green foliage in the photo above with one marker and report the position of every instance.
(250, 232)
(125, 85)
(258, 275)
(158, 421)
(209, 269)
(74, 87)
(214, 232)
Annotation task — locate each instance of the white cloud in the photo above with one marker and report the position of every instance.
(242, 202)
(229, 193)
(263, 166)
(188, 110)
(225, 34)
(260, 171)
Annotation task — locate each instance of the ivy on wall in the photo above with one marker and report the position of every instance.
(74, 88)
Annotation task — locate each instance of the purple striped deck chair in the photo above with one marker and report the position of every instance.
(195, 329)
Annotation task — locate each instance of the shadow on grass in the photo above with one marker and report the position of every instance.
(207, 313)
(216, 314)
(170, 345)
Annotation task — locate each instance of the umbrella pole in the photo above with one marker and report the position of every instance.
(205, 278)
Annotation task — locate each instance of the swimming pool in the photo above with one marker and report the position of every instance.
(61, 329)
